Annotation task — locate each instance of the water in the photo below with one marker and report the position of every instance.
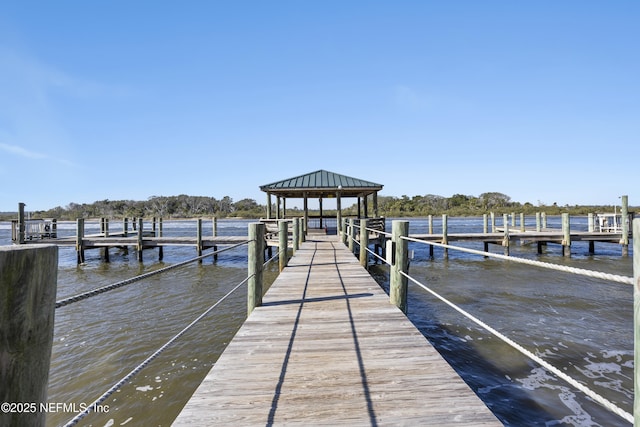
(581, 325)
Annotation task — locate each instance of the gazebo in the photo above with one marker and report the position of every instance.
(322, 184)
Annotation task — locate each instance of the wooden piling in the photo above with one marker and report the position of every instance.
(21, 223)
(28, 283)
(296, 235)
(522, 222)
(283, 237)
(364, 242)
(485, 223)
(215, 234)
(505, 239)
(160, 232)
(139, 239)
(352, 235)
(256, 261)
(105, 231)
(301, 237)
(80, 240)
(199, 238)
(624, 212)
(566, 235)
(398, 282)
(493, 222)
(445, 235)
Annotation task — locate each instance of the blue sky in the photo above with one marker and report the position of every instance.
(539, 100)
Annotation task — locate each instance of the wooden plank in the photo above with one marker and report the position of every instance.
(327, 347)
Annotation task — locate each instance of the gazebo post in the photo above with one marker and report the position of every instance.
(284, 207)
(359, 207)
(366, 206)
(268, 205)
(338, 211)
(320, 212)
(306, 211)
(375, 204)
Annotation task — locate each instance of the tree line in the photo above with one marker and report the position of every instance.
(184, 206)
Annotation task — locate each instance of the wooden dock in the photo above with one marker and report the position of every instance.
(328, 348)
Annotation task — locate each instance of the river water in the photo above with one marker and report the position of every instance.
(581, 325)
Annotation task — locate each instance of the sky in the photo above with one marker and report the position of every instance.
(125, 100)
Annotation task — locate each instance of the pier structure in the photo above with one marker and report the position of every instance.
(325, 347)
(325, 344)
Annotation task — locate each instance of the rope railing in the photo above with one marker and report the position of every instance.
(148, 360)
(398, 296)
(131, 280)
(587, 391)
(548, 265)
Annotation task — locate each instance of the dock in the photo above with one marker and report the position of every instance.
(326, 347)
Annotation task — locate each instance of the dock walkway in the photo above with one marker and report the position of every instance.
(327, 348)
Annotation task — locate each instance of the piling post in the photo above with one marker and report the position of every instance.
(445, 234)
(485, 223)
(522, 227)
(139, 240)
(256, 260)
(199, 238)
(624, 213)
(21, 223)
(343, 231)
(352, 235)
(430, 221)
(105, 232)
(591, 224)
(214, 224)
(301, 238)
(296, 235)
(80, 240)
(636, 318)
(493, 222)
(364, 242)
(538, 222)
(160, 233)
(28, 282)
(544, 220)
(283, 237)
(505, 239)
(566, 235)
(398, 282)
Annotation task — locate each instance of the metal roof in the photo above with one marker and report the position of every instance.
(321, 183)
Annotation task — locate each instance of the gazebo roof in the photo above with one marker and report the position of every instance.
(321, 183)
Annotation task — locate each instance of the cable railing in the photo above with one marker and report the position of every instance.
(398, 259)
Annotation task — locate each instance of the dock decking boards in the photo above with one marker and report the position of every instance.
(327, 348)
